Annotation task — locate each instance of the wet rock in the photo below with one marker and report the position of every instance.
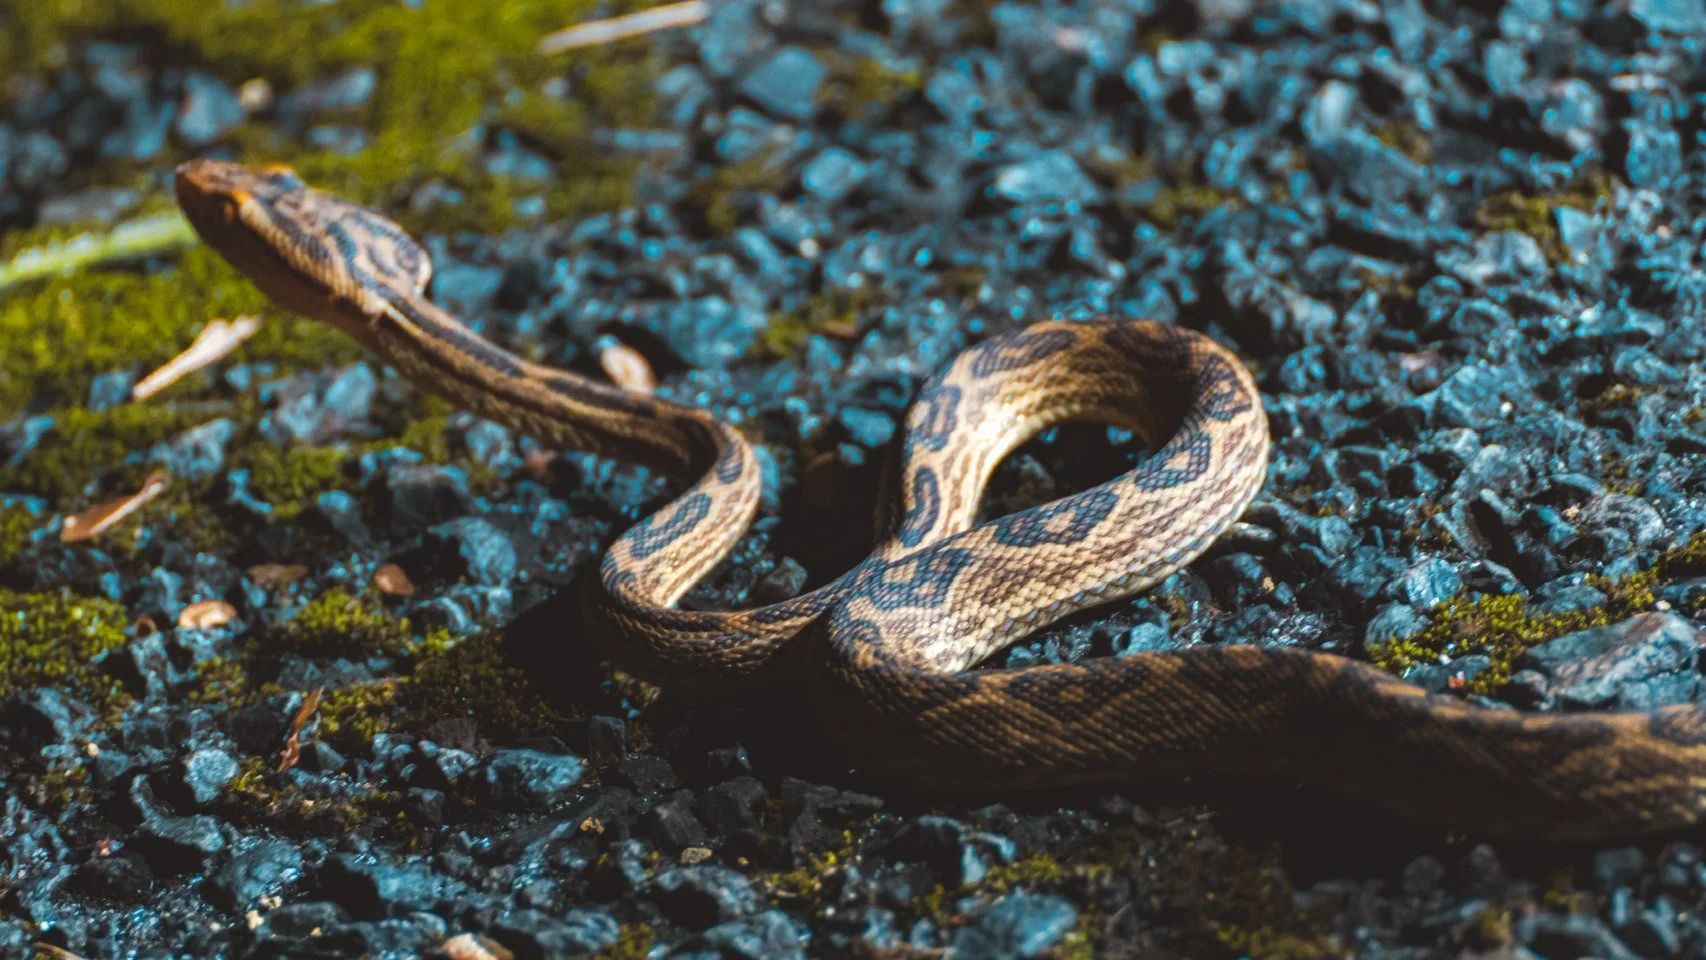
(205, 774)
(535, 935)
(123, 877)
(771, 935)
(832, 175)
(422, 494)
(528, 779)
(180, 844)
(1050, 175)
(1621, 665)
(484, 551)
(198, 453)
(646, 773)
(209, 108)
(701, 896)
(786, 84)
(263, 870)
(367, 887)
(1017, 925)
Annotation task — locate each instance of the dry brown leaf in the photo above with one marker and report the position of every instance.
(57, 953)
(216, 340)
(271, 576)
(101, 517)
(472, 946)
(293, 745)
(207, 614)
(632, 25)
(693, 855)
(627, 368)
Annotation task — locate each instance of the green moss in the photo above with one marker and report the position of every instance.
(469, 678)
(1536, 216)
(292, 477)
(856, 85)
(359, 711)
(63, 786)
(337, 623)
(53, 640)
(634, 941)
(1504, 627)
(1186, 199)
(1406, 138)
(62, 331)
(85, 446)
(17, 524)
(837, 311)
(716, 196)
(261, 794)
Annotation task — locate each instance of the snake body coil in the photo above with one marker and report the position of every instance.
(893, 640)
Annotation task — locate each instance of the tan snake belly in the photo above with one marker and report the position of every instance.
(889, 646)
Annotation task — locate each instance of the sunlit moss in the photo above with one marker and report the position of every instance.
(83, 446)
(54, 640)
(289, 478)
(61, 332)
(338, 623)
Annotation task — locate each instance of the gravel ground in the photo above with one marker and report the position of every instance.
(1455, 242)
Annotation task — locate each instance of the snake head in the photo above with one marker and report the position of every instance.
(312, 253)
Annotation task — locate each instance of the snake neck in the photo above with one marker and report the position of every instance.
(439, 354)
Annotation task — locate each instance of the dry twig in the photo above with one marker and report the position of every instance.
(618, 28)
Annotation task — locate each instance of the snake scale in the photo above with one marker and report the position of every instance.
(886, 650)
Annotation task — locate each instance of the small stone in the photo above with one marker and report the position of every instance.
(208, 109)
(1017, 925)
(1050, 175)
(535, 935)
(420, 494)
(1599, 667)
(646, 773)
(784, 582)
(263, 870)
(529, 779)
(180, 844)
(700, 896)
(772, 935)
(121, 877)
(832, 175)
(786, 84)
(206, 772)
(486, 552)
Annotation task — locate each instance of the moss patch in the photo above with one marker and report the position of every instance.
(337, 623)
(1504, 627)
(53, 640)
(835, 312)
(17, 524)
(1536, 215)
(717, 195)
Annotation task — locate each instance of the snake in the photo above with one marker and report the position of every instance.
(887, 655)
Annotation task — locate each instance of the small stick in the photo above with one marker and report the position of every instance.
(216, 340)
(632, 25)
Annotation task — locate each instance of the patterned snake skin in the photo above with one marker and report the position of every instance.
(887, 648)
